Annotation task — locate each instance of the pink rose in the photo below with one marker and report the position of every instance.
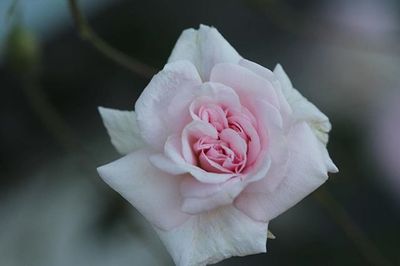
(217, 147)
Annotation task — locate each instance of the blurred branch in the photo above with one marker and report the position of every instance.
(24, 59)
(11, 10)
(367, 248)
(48, 115)
(23, 56)
(107, 50)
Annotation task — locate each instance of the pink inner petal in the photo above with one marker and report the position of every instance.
(224, 136)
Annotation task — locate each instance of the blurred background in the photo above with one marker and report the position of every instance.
(54, 210)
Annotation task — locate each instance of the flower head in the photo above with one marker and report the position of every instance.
(216, 148)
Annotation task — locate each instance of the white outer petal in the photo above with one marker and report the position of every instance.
(154, 193)
(307, 170)
(123, 129)
(205, 48)
(302, 108)
(211, 237)
(163, 107)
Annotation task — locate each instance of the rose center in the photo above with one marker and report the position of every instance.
(228, 153)
(217, 155)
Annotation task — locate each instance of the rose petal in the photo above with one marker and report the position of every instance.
(277, 147)
(156, 117)
(247, 84)
(307, 170)
(205, 48)
(199, 197)
(213, 236)
(259, 170)
(153, 192)
(192, 188)
(254, 145)
(210, 166)
(327, 159)
(167, 165)
(283, 78)
(217, 195)
(191, 133)
(210, 113)
(215, 93)
(302, 108)
(123, 129)
(236, 143)
(207, 177)
(285, 108)
(173, 151)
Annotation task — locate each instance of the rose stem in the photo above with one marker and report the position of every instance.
(87, 34)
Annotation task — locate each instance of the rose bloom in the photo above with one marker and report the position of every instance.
(216, 148)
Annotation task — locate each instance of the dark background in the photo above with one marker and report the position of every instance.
(54, 209)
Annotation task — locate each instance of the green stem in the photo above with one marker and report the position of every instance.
(103, 47)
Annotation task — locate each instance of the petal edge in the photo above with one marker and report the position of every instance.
(123, 129)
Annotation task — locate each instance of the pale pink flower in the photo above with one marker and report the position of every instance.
(216, 148)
